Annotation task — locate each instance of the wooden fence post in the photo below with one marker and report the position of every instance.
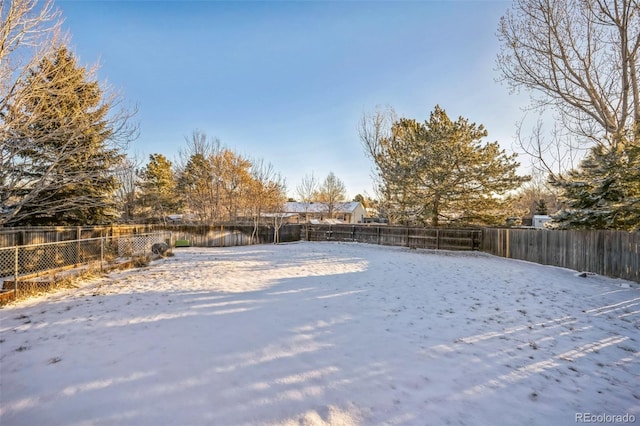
(508, 242)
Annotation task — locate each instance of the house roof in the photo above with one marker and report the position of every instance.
(296, 207)
(282, 215)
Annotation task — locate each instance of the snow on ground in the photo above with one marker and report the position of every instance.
(324, 333)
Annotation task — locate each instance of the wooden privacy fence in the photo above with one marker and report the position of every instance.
(414, 237)
(611, 253)
(614, 254)
(22, 236)
(221, 235)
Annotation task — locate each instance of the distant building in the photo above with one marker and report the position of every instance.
(350, 212)
(377, 220)
(174, 218)
(539, 220)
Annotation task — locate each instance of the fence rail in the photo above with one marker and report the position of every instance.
(614, 254)
(427, 238)
(228, 235)
(611, 253)
(20, 236)
(219, 235)
(25, 262)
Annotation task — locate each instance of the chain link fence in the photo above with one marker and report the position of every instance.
(28, 265)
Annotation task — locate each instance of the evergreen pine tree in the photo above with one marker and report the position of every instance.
(604, 192)
(441, 171)
(541, 207)
(158, 196)
(66, 117)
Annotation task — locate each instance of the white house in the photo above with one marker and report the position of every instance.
(348, 212)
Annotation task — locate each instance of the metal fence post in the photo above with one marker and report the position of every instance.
(15, 274)
(78, 236)
(102, 253)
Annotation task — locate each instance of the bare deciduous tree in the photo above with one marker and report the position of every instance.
(579, 57)
(199, 183)
(29, 32)
(374, 129)
(532, 193)
(33, 77)
(267, 194)
(127, 175)
(332, 192)
(198, 144)
(307, 191)
(234, 172)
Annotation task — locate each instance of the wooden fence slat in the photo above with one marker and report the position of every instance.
(614, 254)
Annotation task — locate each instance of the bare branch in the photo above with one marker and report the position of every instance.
(49, 130)
(578, 56)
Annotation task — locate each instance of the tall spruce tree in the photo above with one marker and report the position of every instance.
(64, 117)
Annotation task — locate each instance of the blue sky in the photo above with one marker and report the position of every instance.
(288, 81)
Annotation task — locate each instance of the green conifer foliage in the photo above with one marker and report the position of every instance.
(158, 197)
(440, 172)
(604, 192)
(62, 116)
(541, 207)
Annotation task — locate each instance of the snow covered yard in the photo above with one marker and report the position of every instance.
(324, 333)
